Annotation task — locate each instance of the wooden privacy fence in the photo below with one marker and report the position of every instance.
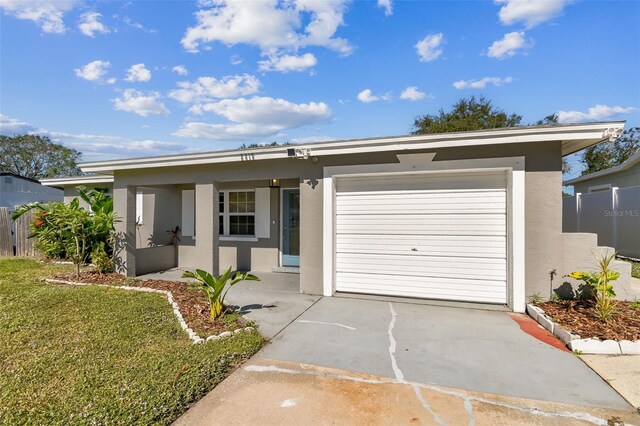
(15, 234)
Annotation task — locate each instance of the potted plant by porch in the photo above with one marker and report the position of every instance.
(215, 288)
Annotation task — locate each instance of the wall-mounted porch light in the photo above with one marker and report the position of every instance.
(274, 183)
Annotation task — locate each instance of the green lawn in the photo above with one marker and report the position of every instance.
(88, 355)
(635, 269)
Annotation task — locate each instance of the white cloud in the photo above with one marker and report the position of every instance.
(11, 126)
(273, 26)
(94, 147)
(530, 12)
(236, 60)
(180, 70)
(429, 48)
(482, 83)
(255, 117)
(367, 96)
(94, 71)
(146, 147)
(595, 113)
(387, 5)
(89, 24)
(47, 14)
(140, 103)
(286, 63)
(138, 72)
(138, 25)
(412, 93)
(510, 44)
(208, 88)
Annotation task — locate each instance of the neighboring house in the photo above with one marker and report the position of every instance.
(469, 216)
(70, 185)
(607, 203)
(16, 190)
(622, 176)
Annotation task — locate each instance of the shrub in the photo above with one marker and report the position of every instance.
(100, 258)
(70, 231)
(600, 283)
(214, 288)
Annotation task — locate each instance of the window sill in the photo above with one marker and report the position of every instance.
(237, 238)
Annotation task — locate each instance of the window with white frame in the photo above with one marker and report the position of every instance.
(237, 213)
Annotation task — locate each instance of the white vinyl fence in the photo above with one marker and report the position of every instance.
(614, 215)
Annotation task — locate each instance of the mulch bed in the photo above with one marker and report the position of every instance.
(192, 302)
(576, 316)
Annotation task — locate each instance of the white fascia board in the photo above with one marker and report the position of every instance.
(573, 137)
(76, 180)
(631, 161)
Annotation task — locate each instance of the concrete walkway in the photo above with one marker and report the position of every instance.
(343, 360)
(622, 372)
(271, 392)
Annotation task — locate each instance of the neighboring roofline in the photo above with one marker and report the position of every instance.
(628, 163)
(77, 180)
(574, 137)
(15, 175)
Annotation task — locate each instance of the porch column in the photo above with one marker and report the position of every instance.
(124, 205)
(207, 254)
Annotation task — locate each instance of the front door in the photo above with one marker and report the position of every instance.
(290, 227)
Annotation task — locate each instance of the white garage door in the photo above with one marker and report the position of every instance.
(426, 236)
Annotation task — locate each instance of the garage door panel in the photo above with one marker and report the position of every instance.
(431, 288)
(425, 245)
(420, 251)
(464, 181)
(423, 219)
(428, 264)
(408, 229)
(432, 272)
(419, 205)
(429, 236)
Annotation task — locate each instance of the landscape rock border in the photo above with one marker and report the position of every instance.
(577, 343)
(174, 306)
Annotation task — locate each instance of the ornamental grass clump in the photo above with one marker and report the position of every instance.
(215, 288)
(599, 282)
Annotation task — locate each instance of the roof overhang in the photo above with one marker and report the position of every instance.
(574, 137)
(77, 180)
(628, 163)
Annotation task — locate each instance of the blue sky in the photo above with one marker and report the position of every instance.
(121, 79)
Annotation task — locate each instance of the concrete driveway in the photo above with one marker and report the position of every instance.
(343, 360)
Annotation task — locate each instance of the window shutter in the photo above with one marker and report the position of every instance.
(139, 209)
(188, 212)
(263, 212)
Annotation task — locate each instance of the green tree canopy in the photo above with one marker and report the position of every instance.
(610, 154)
(36, 157)
(466, 114)
(475, 114)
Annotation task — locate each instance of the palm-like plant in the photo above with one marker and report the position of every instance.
(215, 288)
(600, 283)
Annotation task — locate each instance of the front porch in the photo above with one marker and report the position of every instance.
(246, 225)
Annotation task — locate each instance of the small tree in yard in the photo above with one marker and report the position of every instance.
(70, 231)
(215, 288)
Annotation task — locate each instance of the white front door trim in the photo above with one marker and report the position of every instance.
(423, 164)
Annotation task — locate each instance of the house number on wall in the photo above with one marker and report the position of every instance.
(247, 157)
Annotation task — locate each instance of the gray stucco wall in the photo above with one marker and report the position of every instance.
(543, 218)
(623, 179)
